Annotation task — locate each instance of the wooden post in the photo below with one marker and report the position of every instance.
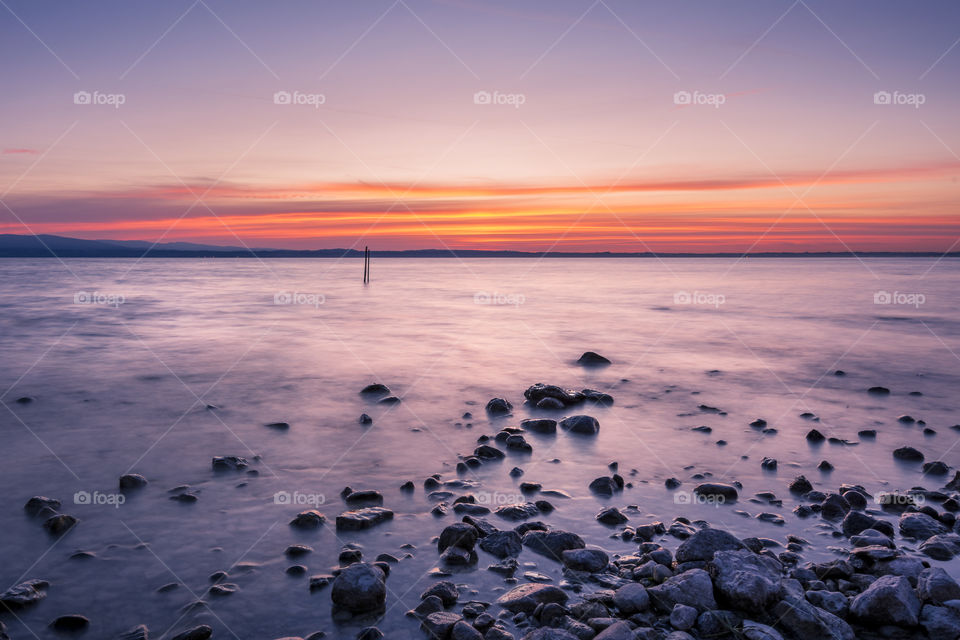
(366, 265)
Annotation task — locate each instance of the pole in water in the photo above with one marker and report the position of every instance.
(366, 264)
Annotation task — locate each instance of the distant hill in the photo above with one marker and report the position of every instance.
(49, 246)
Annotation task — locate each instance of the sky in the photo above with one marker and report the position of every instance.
(703, 126)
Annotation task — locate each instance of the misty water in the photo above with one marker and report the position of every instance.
(155, 366)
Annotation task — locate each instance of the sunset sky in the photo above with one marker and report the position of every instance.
(611, 125)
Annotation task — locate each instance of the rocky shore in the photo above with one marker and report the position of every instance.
(683, 579)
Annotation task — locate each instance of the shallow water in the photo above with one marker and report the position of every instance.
(124, 386)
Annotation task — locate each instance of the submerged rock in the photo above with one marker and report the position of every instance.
(24, 594)
(362, 518)
(586, 425)
(498, 406)
(200, 632)
(132, 481)
(59, 524)
(592, 359)
(310, 519)
(726, 492)
(228, 463)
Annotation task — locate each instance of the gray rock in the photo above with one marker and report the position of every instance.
(552, 543)
(502, 544)
(889, 600)
(463, 630)
(498, 406)
(517, 512)
(612, 516)
(591, 560)
(619, 630)
(544, 633)
(941, 622)
(539, 425)
(941, 547)
(920, 526)
(363, 518)
(526, 597)
(705, 543)
(439, 625)
(832, 601)
(24, 594)
(359, 588)
(683, 617)
(718, 491)
(132, 481)
(807, 622)
(692, 588)
(745, 580)
(586, 425)
(459, 534)
(446, 591)
(756, 631)
(310, 519)
(201, 632)
(935, 585)
(631, 598)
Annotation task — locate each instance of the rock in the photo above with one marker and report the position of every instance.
(539, 425)
(279, 426)
(517, 442)
(825, 466)
(228, 463)
(463, 630)
(941, 622)
(807, 622)
(692, 588)
(487, 452)
(59, 524)
(590, 560)
(856, 522)
(716, 490)
(582, 424)
(498, 407)
(935, 468)
(908, 454)
(604, 486)
(130, 481)
(619, 630)
(834, 507)
(24, 594)
(139, 632)
(768, 464)
(831, 601)
(365, 419)
(365, 498)
(756, 631)
(702, 545)
(359, 588)
(879, 391)
(363, 518)
(526, 597)
(439, 625)
(683, 617)
(517, 512)
(460, 534)
(502, 544)
(310, 519)
(920, 526)
(200, 632)
(565, 397)
(716, 624)
(935, 585)
(815, 436)
(445, 590)
(889, 600)
(612, 516)
(543, 633)
(599, 397)
(375, 389)
(800, 485)
(941, 547)
(458, 557)
(592, 359)
(631, 598)
(36, 504)
(745, 580)
(552, 543)
(550, 404)
(389, 400)
(369, 633)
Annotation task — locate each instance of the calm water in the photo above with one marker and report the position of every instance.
(125, 387)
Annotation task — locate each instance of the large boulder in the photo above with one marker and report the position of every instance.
(552, 543)
(459, 534)
(943, 546)
(745, 580)
(936, 586)
(526, 597)
(705, 543)
(807, 622)
(502, 544)
(941, 622)
(591, 560)
(920, 526)
(889, 600)
(631, 598)
(360, 588)
(692, 588)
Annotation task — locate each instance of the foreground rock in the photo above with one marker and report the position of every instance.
(889, 600)
(360, 588)
(527, 597)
